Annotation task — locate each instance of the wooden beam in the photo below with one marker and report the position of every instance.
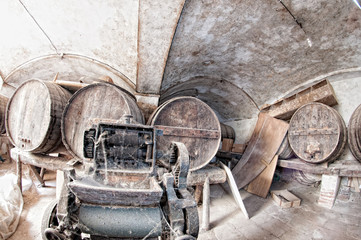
(227, 144)
(40, 160)
(215, 174)
(284, 108)
(341, 168)
(188, 132)
(37, 175)
(233, 185)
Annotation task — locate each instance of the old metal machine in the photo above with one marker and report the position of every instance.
(131, 180)
(121, 195)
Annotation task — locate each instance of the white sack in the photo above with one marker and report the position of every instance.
(11, 205)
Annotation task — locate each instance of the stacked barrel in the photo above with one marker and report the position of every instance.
(41, 116)
(91, 105)
(33, 116)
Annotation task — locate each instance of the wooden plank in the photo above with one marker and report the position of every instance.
(3, 103)
(19, 173)
(232, 184)
(285, 199)
(343, 169)
(239, 148)
(356, 183)
(74, 86)
(261, 184)
(198, 193)
(37, 175)
(284, 108)
(227, 144)
(188, 132)
(215, 174)
(265, 141)
(70, 85)
(206, 208)
(40, 160)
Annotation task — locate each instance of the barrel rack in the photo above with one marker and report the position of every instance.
(331, 176)
(345, 168)
(36, 160)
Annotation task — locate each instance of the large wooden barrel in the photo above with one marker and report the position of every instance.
(3, 103)
(190, 121)
(227, 132)
(354, 133)
(308, 179)
(33, 116)
(317, 133)
(91, 104)
(285, 150)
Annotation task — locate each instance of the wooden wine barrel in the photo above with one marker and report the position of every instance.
(227, 132)
(95, 102)
(3, 103)
(285, 150)
(354, 133)
(317, 133)
(190, 121)
(33, 116)
(308, 179)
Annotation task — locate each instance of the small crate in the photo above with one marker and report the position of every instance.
(285, 199)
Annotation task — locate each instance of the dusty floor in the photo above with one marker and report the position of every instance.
(267, 220)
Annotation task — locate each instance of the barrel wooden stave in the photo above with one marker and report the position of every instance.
(285, 150)
(3, 102)
(317, 133)
(354, 133)
(93, 103)
(193, 115)
(33, 116)
(227, 132)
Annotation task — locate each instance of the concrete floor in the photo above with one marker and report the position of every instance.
(267, 220)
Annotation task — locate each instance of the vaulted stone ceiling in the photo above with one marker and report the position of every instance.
(258, 50)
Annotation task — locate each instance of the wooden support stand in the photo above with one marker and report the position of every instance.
(36, 160)
(37, 175)
(347, 168)
(331, 174)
